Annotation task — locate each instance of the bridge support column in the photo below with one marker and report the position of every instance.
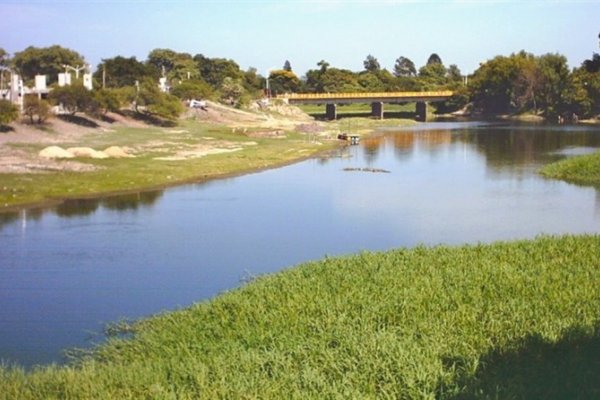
(421, 111)
(377, 109)
(331, 111)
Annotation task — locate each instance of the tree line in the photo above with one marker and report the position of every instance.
(518, 83)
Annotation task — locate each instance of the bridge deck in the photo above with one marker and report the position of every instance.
(383, 97)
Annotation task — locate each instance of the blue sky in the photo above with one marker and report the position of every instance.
(263, 34)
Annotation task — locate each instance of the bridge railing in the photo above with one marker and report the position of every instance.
(326, 96)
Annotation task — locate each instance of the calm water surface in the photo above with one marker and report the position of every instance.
(67, 271)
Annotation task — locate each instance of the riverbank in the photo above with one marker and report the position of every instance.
(206, 144)
(506, 320)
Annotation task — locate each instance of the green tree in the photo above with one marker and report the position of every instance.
(433, 76)
(434, 59)
(232, 91)
(177, 66)
(45, 61)
(370, 82)
(253, 82)
(492, 84)
(214, 70)
(555, 83)
(371, 64)
(287, 66)
(404, 67)
(73, 98)
(106, 100)
(4, 58)
(150, 100)
(36, 107)
(8, 112)
(192, 89)
(335, 80)
(121, 71)
(282, 81)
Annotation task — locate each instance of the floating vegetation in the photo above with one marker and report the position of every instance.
(376, 170)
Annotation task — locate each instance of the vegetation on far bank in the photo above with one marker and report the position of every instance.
(506, 320)
(583, 170)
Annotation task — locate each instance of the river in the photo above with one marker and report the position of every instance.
(67, 271)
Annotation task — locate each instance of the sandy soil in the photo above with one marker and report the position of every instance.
(256, 123)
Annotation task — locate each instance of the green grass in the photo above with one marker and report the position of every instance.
(506, 320)
(584, 170)
(144, 171)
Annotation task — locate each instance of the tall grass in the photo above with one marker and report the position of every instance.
(583, 170)
(418, 323)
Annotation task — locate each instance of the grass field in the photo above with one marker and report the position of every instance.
(516, 320)
(584, 170)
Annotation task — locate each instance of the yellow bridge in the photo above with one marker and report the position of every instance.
(377, 99)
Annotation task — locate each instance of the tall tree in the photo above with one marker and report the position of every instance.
(45, 61)
(287, 66)
(434, 59)
(371, 64)
(404, 67)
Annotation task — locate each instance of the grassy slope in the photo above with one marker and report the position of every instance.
(508, 320)
(583, 170)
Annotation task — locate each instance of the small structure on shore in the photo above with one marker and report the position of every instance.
(353, 139)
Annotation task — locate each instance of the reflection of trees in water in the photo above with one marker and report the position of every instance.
(405, 142)
(372, 146)
(129, 201)
(508, 150)
(32, 214)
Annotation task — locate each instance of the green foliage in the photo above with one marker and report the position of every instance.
(492, 85)
(253, 82)
(4, 58)
(282, 81)
(422, 323)
(120, 72)
(371, 64)
(434, 59)
(192, 89)
(584, 170)
(287, 66)
(73, 98)
(151, 100)
(8, 112)
(106, 100)
(177, 66)
(214, 70)
(433, 76)
(232, 91)
(404, 67)
(35, 107)
(45, 61)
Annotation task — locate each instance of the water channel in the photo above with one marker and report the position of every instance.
(68, 270)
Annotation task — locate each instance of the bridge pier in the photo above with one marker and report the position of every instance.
(377, 109)
(331, 111)
(421, 111)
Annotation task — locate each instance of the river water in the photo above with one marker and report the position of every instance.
(67, 271)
